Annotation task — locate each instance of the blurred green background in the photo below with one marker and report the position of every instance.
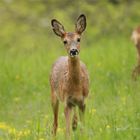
(28, 48)
(26, 24)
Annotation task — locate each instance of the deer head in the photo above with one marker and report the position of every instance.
(71, 40)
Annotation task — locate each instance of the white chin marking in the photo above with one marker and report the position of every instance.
(73, 55)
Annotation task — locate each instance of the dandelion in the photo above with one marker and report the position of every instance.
(94, 110)
(41, 139)
(3, 126)
(20, 134)
(12, 131)
(107, 126)
(60, 130)
(46, 117)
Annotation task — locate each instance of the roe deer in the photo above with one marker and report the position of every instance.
(69, 78)
(136, 39)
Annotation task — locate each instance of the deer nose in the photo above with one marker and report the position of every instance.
(74, 52)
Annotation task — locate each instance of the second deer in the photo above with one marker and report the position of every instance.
(69, 78)
(136, 39)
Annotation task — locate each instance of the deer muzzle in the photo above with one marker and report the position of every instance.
(74, 52)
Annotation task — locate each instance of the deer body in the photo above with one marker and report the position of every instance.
(136, 39)
(69, 77)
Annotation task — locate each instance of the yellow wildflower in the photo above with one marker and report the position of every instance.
(12, 131)
(46, 117)
(108, 126)
(20, 134)
(3, 126)
(93, 110)
(60, 129)
(41, 139)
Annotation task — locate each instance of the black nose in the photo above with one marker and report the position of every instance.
(73, 52)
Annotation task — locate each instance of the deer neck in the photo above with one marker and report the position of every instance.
(74, 69)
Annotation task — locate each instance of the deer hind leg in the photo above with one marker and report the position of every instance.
(136, 72)
(55, 107)
(74, 120)
(81, 113)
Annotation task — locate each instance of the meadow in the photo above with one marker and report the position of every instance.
(113, 105)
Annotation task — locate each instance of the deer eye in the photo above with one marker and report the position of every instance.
(78, 39)
(65, 42)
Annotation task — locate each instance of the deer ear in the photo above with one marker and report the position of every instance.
(58, 28)
(80, 24)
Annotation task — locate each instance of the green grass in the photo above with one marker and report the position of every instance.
(113, 105)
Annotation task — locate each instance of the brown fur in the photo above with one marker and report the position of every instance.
(136, 39)
(69, 78)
